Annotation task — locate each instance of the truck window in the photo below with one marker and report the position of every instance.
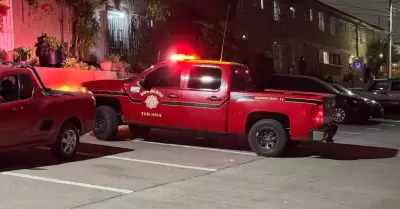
(9, 88)
(26, 86)
(164, 77)
(379, 86)
(395, 86)
(241, 79)
(205, 77)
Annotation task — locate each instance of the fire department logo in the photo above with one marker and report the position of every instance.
(151, 102)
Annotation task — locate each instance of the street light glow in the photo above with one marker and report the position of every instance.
(380, 55)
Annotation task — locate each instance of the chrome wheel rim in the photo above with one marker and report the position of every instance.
(267, 139)
(339, 116)
(100, 125)
(69, 141)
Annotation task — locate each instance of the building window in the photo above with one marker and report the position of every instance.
(293, 11)
(311, 15)
(277, 10)
(332, 24)
(240, 5)
(321, 21)
(325, 57)
(334, 59)
(362, 36)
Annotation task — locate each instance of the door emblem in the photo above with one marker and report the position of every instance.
(151, 102)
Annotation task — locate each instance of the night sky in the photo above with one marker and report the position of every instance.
(372, 11)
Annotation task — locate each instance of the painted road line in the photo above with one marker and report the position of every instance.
(199, 148)
(160, 163)
(389, 125)
(374, 129)
(72, 183)
(345, 132)
(385, 120)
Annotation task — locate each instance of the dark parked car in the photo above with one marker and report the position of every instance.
(349, 106)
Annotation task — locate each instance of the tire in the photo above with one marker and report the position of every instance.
(341, 116)
(67, 136)
(106, 126)
(268, 126)
(138, 131)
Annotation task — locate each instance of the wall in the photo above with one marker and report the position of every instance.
(31, 21)
(59, 77)
(7, 36)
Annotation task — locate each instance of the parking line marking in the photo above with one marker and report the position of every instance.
(374, 129)
(345, 132)
(160, 163)
(199, 148)
(390, 125)
(91, 186)
(385, 120)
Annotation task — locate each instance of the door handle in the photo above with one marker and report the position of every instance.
(384, 93)
(214, 98)
(18, 108)
(172, 96)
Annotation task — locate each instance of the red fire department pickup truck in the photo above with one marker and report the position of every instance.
(211, 96)
(33, 115)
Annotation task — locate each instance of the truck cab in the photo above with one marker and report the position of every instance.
(211, 96)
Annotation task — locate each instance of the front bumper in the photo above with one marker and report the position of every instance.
(369, 110)
(325, 133)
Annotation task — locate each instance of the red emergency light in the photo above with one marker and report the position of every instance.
(182, 57)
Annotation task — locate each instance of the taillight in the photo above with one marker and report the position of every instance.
(317, 114)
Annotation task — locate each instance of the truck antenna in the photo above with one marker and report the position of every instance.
(223, 38)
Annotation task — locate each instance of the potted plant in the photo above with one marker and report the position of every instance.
(107, 64)
(23, 54)
(9, 56)
(3, 9)
(49, 51)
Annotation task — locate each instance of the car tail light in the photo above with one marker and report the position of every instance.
(317, 114)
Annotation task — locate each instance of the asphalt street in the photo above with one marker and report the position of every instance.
(176, 170)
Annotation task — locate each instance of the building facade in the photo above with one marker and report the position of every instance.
(27, 20)
(331, 41)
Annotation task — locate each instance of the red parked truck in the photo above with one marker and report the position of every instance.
(211, 96)
(33, 115)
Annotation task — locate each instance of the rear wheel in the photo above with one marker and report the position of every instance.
(106, 126)
(341, 115)
(66, 145)
(268, 138)
(138, 131)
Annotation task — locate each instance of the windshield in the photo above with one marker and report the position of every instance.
(329, 87)
(342, 89)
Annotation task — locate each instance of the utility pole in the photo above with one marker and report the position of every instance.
(390, 38)
(223, 38)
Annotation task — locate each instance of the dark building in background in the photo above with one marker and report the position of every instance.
(332, 42)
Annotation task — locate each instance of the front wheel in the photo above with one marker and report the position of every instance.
(268, 138)
(66, 145)
(106, 126)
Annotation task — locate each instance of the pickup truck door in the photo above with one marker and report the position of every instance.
(205, 98)
(15, 121)
(156, 97)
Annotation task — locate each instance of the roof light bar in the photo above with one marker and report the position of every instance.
(181, 57)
